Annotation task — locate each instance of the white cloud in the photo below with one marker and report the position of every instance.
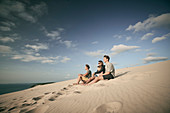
(123, 48)
(27, 17)
(28, 58)
(153, 59)
(37, 47)
(157, 39)
(53, 34)
(48, 61)
(38, 58)
(117, 36)
(95, 42)
(5, 49)
(162, 21)
(5, 28)
(68, 43)
(147, 36)
(6, 39)
(14, 10)
(65, 59)
(128, 38)
(8, 24)
(97, 53)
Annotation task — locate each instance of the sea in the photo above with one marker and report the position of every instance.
(8, 88)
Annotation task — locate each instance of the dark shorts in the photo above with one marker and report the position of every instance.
(108, 77)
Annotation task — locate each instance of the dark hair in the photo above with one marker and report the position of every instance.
(99, 66)
(107, 57)
(101, 61)
(87, 66)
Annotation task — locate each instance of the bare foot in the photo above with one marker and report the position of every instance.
(75, 83)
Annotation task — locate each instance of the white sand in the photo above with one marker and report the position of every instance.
(144, 89)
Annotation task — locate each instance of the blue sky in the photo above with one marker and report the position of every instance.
(43, 41)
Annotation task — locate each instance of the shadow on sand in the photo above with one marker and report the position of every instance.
(121, 74)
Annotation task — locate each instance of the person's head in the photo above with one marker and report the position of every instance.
(100, 63)
(106, 58)
(87, 67)
(99, 68)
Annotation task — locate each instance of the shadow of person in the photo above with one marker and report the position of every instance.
(121, 74)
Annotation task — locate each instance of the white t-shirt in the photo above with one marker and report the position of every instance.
(110, 68)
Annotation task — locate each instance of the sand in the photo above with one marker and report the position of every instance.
(143, 89)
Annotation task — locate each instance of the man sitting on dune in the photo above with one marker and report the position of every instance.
(84, 77)
(109, 71)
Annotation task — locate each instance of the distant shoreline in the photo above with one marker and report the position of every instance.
(9, 88)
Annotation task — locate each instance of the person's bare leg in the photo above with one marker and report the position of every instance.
(78, 79)
(96, 80)
(90, 79)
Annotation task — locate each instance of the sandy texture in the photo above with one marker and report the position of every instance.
(144, 89)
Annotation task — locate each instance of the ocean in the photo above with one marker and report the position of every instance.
(8, 88)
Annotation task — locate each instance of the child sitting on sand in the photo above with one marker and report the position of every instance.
(84, 77)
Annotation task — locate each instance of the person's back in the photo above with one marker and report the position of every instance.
(89, 73)
(110, 68)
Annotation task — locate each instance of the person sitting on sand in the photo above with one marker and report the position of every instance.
(100, 70)
(109, 71)
(84, 77)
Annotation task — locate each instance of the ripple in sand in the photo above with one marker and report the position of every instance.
(112, 107)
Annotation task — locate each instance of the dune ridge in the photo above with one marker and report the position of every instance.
(143, 89)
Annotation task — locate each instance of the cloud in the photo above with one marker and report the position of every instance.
(95, 42)
(37, 47)
(68, 43)
(6, 39)
(157, 39)
(38, 58)
(4, 28)
(5, 49)
(8, 23)
(117, 36)
(128, 38)
(122, 48)
(151, 54)
(54, 34)
(153, 59)
(65, 59)
(147, 36)
(15, 10)
(97, 53)
(162, 21)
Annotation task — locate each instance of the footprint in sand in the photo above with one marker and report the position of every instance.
(47, 93)
(37, 98)
(2, 109)
(112, 107)
(64, 89)
(78, 92)
(12, 108)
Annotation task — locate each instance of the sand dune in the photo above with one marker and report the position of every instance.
(143, 89)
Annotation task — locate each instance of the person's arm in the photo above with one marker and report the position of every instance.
(85, 74)
(106, 73)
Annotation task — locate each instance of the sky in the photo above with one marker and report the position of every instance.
(52, 40)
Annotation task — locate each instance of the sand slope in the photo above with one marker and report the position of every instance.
(144, 89)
